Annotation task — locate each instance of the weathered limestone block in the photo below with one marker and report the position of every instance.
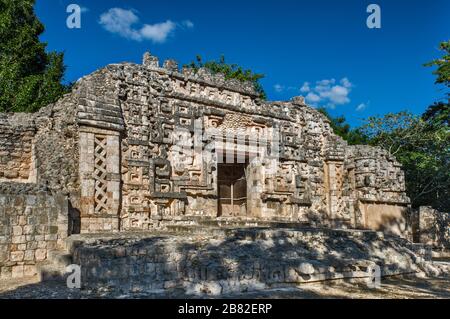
(28, 233)
(16, 149)
(432, 227)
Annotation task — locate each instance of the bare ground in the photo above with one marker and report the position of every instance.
(391, 288)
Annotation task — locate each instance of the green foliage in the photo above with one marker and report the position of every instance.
(437, 114)
(422, 146)
(443, 65)
(230, 71)
(420, 143)
(342, 128)
(29, 76)
(393, 131)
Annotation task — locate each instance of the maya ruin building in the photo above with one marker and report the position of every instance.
(149, 147)
(137, 146)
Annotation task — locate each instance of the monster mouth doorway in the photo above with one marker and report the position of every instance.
(232, 190)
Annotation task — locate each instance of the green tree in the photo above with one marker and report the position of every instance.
(438, 114)
(230, 71)
(422, 147)
(29, 76)
(420, 143)
(342, 128)
(443, 65)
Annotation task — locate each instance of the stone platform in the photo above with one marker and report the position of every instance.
(218, 261)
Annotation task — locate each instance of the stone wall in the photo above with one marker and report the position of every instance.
(176, 127)
(57, 148)
(432, 227)
(41, 151)
(32, 223)
(237, 260)
(41, 147)
(16, 149)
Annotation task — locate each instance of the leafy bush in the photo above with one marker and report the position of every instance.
(230, 71)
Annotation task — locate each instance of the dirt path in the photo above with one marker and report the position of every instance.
(398, 288)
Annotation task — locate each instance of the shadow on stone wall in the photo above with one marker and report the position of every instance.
(392, 225)
(74, 220)
(241, 261)
(250, 262)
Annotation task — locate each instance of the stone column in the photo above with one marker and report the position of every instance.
(333, 187)
(100, 179)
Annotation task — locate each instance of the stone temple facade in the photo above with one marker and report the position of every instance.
(138, 147)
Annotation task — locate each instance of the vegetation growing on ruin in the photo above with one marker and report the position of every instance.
(230, 71)
(343, 129)
(30, 77)
(423, 148)
(421, 143)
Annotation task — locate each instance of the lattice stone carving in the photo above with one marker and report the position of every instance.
(100, 174)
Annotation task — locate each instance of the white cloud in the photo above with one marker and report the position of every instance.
(324, 85)
(313, 98)
(119, 21)
(346, 83)
(187, 24)
(158, 32)
(305, 88)
(328, 92)
(361, 107)
(337, 95)
(278, 88)
(122, 22)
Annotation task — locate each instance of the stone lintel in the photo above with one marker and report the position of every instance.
(98, 130)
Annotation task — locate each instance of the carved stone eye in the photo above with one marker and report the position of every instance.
(367, 181)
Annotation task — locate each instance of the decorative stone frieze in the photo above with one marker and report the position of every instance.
(137, 146)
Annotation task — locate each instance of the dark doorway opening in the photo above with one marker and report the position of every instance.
(232, 190)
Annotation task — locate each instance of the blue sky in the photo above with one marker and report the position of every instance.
(321, 49)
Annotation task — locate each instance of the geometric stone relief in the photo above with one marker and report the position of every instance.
(177, 132)
(100, 175)
(151, 144)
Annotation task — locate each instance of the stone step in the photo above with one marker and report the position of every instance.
(202, 264)
(197, 230)
(441, 254)
(48, 271)
(250, 223)
(263, 231)
(54, 268)
(60, 258)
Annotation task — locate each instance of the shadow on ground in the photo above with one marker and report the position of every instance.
(243, 264)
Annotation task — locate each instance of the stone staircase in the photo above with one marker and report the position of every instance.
(99, 253)
(54, 267)
(237, 259)
(221, 226)
(227, 227)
